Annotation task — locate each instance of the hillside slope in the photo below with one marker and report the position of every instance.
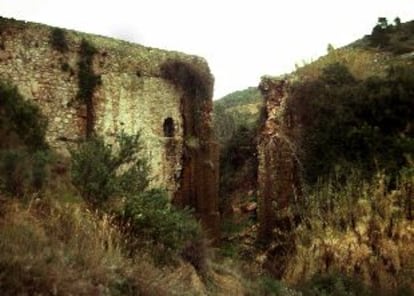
(351, 113)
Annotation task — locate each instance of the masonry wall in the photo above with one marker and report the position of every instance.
(134, 94)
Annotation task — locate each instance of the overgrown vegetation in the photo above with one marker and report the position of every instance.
(335, 284)
(197, 85)
(101, 170)
(397, 37)
(250, 95)
(88, 82)
(356, 230)
(238, 164)
(115, 178)
(353, 231)
(21, 123)
(349, 123)
(23, 152)
(236, 123)
(22, 171)
(49, 247)
(197, 88)
(234, 111)
(166, 231)
(58, 40)
(51, 241)
(351, 114)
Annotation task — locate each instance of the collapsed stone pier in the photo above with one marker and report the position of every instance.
(278, 172)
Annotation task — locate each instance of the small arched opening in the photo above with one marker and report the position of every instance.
(168, 127)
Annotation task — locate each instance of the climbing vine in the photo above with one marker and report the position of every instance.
(58, 40)
(88, 81)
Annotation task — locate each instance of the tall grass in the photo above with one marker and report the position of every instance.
(358, 229)
(54, 248)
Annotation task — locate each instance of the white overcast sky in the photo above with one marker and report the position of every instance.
(241, 40)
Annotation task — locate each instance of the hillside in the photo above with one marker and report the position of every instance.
(340, 130)
(234, 110)
(370, 55)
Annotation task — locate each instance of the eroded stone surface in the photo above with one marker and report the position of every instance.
(278, 178)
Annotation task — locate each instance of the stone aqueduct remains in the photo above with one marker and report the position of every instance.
(164, 95)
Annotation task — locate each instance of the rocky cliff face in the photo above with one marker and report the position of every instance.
(166, 96)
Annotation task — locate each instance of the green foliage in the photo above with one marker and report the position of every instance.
(195, 83)
(40, 174)
(382, 23)
(239, 150)
(271, 287)
(241, 97)
(364, 124)
(23, 154)
(224, 125)
(88, 82)
(21, 122)
(155, 223)
(240, 108)
(397, 38)
(397, 22)
(238, 163)
(232, 231)
(336, 74)
(335, 284)
(101, 171)
(23, 171)
(58, 40)
(14, 173)
(379, 36)
(236, 123)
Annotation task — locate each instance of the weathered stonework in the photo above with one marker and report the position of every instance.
(278, 179)
(135, 95)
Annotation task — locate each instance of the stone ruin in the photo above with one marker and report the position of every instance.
(278, 171)
(166, 96)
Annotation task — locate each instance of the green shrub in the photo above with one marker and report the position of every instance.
(344, 122)
(23, 150)
(14, 172)
(21, 122)
(40, 160)
(238, 163)
(58, 40)
(101, 171)
(270, 286)
(23, 171)
(168, 232)
(335, 284)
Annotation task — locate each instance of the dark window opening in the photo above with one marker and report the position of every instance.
(168, 127)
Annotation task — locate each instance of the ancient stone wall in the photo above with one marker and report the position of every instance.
(278, 170)
(134, 94)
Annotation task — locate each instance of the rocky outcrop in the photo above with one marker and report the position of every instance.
(88, 84)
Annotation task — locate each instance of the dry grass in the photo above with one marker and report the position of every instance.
(362, 63)
(362, 231)
(53, 248)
